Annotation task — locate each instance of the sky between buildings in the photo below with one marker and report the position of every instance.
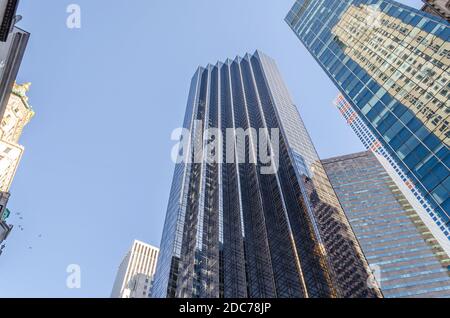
(97, 169)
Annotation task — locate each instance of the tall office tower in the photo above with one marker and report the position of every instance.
(440, 8)
(18, 113)
(135, 275)
(390, 62)
(261, 220)
(408, 259)
(433, 221)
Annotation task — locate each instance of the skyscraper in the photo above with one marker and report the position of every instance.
(18, 113)
(440, 8)
(434, 222)
(407, 259)
(135, 275)
(390, 62)
(261, 220)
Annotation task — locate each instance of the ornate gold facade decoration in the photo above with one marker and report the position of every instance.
(18, 113)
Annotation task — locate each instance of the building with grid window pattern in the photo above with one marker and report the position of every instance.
(232, 231)
(433, 221)
(135, 275)
(407, 258)
(390, 62)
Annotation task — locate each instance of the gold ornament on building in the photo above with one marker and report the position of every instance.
(18, 113)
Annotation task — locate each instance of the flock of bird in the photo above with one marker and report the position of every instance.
(21, 228)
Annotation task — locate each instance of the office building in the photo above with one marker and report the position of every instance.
(440, 8)
(18, 113)
(135, 275)
(407, 257)
(261, 220)
(433, 221)
(390, 62)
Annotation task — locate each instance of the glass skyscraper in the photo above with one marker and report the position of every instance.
(434, 222)
(237, 230)
(407, 258)
(390, 62)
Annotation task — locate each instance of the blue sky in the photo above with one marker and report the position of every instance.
(97, 169)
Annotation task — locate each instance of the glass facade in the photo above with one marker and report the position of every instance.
(435, 223)
(233, 231)
(390, 62)
(408, 259)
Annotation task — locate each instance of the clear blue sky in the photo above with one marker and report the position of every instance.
(97, 170)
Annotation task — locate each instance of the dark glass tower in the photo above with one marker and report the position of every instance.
(390, 62)
(234, 230)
